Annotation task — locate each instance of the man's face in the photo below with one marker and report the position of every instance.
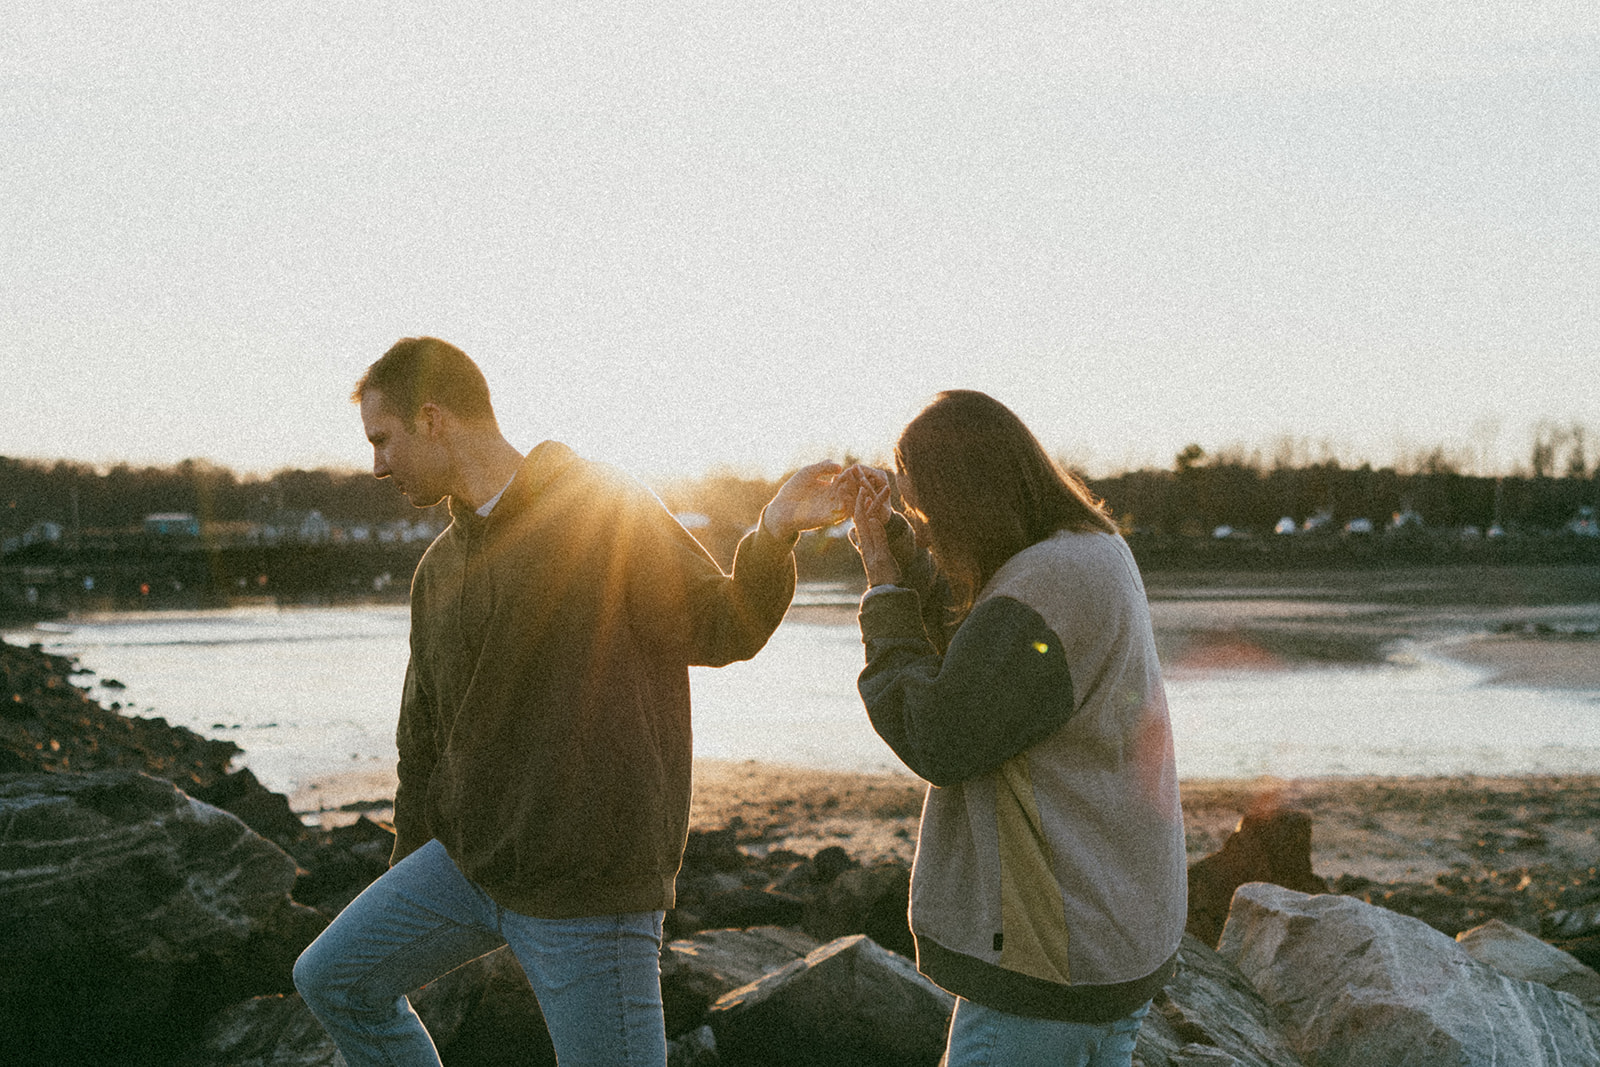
(406, 453)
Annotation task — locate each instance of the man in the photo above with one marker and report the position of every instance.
(544, 738)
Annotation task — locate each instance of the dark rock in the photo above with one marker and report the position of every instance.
(751, 907)
(1452, 904)
(850, 1003)
(51, 725)
(864, 900)
(716, 850)
(698, 1048)
(341, 862)
(696, 970)
(1273, 845)
(265, 812)
(268, 1031)
(482, 1014)
(829, 864)
(1585, 949)
(129, 912)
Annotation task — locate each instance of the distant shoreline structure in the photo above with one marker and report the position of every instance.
(53, 581)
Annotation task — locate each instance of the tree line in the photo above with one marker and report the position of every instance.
(1197, 494)
(82, 496)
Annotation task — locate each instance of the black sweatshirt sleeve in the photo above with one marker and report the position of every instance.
(918, 573)
(1002, 686)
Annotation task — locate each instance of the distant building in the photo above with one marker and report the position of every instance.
(314, 529)
(404, 531)
(172, 524)
(1405, 519)
(43, 532)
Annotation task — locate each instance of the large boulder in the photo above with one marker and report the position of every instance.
(1272, 845)
(1519, 954)
(1210, 1014)
(1355, 984)
(129, 912)
(696, 970)
(850, 1003)
(482, 1014)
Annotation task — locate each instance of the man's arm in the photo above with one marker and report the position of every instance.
(415, 737)
(721, 617)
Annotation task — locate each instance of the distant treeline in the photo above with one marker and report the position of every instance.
(82, 496)
(1199, 494)
(76, 538)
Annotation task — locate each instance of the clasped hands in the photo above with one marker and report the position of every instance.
(826, 493)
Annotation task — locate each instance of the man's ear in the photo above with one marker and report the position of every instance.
(430, 419)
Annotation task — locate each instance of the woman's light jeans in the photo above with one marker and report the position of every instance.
(983, 1037)
(598, 979)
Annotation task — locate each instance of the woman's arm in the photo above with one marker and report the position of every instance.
(1002, 686)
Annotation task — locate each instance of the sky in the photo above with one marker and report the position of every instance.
(721, 235)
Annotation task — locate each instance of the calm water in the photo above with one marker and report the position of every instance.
(306, 692)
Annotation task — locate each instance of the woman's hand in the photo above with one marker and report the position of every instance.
(872, 514)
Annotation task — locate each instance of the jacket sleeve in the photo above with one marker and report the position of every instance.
(682, 597)
(415, 737)
(918, 573)
(1001, 687)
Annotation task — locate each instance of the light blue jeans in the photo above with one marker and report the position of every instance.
(984, 1037)
(598, 979)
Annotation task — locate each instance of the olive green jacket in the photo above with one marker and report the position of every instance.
(544, 731)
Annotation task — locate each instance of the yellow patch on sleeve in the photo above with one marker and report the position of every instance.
(1040, 647)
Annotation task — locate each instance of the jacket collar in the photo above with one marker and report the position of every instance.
(539, 468)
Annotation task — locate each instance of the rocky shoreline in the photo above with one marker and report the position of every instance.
(137, 925)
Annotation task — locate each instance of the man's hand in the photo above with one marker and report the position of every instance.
(811, 498)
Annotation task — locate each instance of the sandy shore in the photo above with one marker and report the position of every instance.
(1385, 829)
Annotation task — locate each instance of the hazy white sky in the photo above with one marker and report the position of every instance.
(680, 235)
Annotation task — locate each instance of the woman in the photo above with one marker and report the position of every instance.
(1016, 672)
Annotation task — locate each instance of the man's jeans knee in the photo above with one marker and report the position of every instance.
(597, 979)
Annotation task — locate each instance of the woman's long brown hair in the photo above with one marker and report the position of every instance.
(985, 489)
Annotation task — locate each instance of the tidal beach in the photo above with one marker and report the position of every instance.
(1502, 637)
(1394, 704)
(1454, 851)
